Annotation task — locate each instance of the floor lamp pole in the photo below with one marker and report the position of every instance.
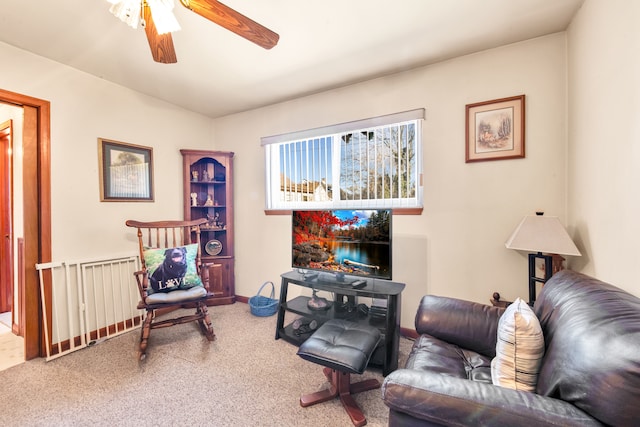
(533, 277)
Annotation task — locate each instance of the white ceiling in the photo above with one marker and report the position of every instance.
(323, 44)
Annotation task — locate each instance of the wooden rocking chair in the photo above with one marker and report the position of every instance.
(172, 275)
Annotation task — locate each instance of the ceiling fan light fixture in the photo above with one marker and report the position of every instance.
(128, 11)
(162, 12)
(158, 21)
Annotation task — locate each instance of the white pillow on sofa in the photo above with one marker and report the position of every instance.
(519, 349)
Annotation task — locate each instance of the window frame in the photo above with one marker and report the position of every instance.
(400, 205)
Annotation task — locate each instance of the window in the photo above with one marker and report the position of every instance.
(373, 163)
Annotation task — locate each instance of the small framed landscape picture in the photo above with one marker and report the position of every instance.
(126, 172)
(495, 129)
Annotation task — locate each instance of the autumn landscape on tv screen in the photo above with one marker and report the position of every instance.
(354, 242)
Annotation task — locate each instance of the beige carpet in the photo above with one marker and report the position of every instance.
(244, 378)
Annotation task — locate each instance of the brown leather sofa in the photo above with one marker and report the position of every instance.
(590, 373)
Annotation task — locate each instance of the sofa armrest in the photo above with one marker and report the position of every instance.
(445, 400)
(467, 324)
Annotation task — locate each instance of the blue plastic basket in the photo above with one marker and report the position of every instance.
(262, 306)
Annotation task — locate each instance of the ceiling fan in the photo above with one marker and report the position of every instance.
(156, 16)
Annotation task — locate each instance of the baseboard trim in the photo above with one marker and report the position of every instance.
(409, 333)
(242, 299)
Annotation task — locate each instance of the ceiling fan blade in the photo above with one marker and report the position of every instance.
(233, 21)
(161, 44)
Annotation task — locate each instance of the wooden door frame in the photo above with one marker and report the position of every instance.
(37, 214)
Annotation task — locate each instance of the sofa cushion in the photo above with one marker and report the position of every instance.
(180, 295)
(432, 399)
(592, 335)
(448, 319)
(519, 348)
(434, 355)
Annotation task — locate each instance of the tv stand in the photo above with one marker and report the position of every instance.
(386, 354)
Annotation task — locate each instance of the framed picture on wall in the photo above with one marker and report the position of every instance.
(495, 129)
(126, 172)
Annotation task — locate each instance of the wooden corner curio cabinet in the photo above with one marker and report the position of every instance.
(208, 193)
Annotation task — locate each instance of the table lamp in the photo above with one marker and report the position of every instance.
(548, 239)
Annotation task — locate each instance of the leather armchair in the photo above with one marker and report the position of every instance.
(590, 374)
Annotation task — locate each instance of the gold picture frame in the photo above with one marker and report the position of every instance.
(495, 129)
(126, 172)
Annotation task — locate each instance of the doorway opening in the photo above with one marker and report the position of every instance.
(11, 343)
(36, 208)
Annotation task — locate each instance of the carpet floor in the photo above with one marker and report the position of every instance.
(244, 378)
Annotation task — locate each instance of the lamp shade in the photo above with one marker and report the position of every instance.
(538, 233)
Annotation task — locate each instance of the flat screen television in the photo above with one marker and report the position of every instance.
(343, 242)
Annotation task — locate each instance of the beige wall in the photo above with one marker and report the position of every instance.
(456, 247)
(604, 140)
(84, 108)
